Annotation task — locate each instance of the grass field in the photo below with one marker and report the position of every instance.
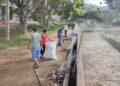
(18, 39)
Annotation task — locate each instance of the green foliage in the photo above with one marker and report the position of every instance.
(16, 40)
(107, 16)
(113, 4)
(66, 11)
(55, 26)
(1, 1)
(64, 8)
(72, 9)
(42, 10)
(76, 7)
(115, 36)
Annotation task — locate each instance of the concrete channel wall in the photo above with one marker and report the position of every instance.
(113, 42)
(78, 78)
(80, 71)
(66, 80)
(70, 76)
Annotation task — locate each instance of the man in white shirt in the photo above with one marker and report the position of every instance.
(65, 30)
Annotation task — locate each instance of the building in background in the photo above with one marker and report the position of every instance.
(3, 12)
(13, 16)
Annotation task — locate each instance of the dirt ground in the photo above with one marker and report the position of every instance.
(16, 66)
(101, 61)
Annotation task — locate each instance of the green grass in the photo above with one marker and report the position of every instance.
(90, 26)
(18, 39)
(115, 36)
(108, 16)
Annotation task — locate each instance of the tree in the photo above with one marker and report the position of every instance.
(113, 4)
(76, 7)
(109, 3)
(44, 11)
(24, 7)
(64, 8)
(72, 8)
(1, 1)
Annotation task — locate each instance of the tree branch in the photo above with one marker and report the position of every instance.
(37, 4)
(16, 2)
(25, 4)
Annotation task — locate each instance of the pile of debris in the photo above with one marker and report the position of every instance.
(57, 77)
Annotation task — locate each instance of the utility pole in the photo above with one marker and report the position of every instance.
(8, 19)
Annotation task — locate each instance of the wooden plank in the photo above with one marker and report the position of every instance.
(37, 76)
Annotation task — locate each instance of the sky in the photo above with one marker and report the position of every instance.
(95, 2)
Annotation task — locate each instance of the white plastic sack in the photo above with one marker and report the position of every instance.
(51, 50)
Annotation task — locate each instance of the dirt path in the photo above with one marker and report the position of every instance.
(16, 67)
(101, 62)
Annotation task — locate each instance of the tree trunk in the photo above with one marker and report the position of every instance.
(44, 22)
(23, 16)
(48, 20)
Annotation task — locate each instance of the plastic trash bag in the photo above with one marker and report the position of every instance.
(51, 50)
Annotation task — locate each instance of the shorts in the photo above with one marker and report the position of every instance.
(35, 51)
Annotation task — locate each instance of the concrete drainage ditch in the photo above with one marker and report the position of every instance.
(71, 67)
(66, 74)
(73, 73)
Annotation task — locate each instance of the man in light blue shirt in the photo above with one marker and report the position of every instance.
(35, 45)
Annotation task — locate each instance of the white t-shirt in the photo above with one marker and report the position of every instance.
(65, 27)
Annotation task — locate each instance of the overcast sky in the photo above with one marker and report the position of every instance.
(96, 2)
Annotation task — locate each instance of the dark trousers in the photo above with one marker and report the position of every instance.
(59, 42)
(65, 33)
(43, 50)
